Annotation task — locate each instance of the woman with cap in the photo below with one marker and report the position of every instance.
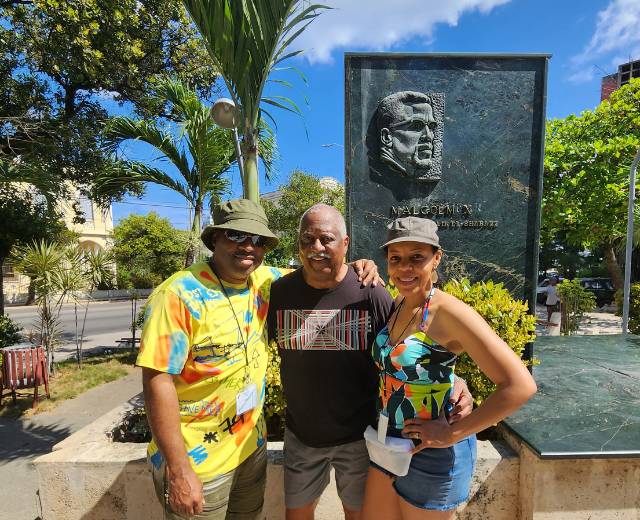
(416, 353)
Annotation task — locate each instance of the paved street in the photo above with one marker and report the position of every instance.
(103, 317)
(107, 322)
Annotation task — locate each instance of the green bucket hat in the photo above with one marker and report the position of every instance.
(240, 215)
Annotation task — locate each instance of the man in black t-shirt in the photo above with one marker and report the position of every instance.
(324, 322)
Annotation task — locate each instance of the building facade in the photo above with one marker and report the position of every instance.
(95, 235)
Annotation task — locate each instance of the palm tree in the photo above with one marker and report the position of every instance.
(98, 270)
(201, 151)
(55, 273)
(247, 40)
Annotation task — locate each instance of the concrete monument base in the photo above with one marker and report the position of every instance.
(89, 477)
(579, 489)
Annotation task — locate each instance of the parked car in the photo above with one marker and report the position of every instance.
(541, 295)
(601, 287)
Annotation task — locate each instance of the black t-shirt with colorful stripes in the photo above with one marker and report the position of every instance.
(324, 339)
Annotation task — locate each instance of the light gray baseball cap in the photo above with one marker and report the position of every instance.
(412, 229)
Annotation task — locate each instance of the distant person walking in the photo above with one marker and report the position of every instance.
(552, 296)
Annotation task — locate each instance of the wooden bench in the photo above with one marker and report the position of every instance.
(24, 368)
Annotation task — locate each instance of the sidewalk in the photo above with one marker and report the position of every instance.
(597, 322)
(93, 344)
(23, 440)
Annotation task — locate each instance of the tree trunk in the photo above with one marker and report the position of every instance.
(612, 265)
(84, 322)
(251, 184)
(191, 253)
(1, 289)
(31, 293)
(195, 228)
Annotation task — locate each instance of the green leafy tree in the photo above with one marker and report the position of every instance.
(24, 219)
(148, 247)
(63, 64)
(586, 178)
(247, 41)
(301, 191)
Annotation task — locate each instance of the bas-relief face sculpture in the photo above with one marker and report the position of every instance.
(407, 127)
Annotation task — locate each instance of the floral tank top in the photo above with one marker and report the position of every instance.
(416, 374)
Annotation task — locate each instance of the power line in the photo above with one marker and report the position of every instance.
(155, 205)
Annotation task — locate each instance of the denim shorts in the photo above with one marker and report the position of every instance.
(438, 478)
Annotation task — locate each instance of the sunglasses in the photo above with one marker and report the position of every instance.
(240, 236)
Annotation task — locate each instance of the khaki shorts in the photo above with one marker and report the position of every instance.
(237, 494)
(307, 470)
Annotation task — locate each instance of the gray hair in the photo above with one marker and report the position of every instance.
(329, 212)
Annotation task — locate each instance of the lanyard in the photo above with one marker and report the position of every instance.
(384, 358)
(244, 343)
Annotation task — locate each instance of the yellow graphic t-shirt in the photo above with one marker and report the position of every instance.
(190, 329)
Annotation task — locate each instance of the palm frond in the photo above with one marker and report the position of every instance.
(121, 129)
(269, 152)
(247, 39)
(109, 182)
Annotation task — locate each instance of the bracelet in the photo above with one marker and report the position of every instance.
(456, 378)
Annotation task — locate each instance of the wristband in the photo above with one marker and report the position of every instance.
(456, 378)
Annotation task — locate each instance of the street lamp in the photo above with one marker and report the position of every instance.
(627, 263)
(225, 114)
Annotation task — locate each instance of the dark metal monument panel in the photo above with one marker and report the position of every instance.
(588, 399)
(454, 138)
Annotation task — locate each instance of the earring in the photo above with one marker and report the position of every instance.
(434, 277)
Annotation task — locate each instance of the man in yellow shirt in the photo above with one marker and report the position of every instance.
(203, 353)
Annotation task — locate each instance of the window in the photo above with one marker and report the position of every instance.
(86, 207)
(8, 273)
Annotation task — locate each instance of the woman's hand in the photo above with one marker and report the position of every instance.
(462, 401)
(431, 433)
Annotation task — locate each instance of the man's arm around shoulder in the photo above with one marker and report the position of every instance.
(163, 415)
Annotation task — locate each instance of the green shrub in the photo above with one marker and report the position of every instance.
(143, 279)
(9, 332)
(575, 301)
(275, 404)
(505, 315)
(142, 314)
(634, 307)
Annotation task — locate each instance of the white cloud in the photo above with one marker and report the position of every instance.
(583, 76)
(378, 25)
(617, 30)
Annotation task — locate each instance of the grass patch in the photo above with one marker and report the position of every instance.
(70, 382)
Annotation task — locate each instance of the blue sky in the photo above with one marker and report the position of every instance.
(587, 38)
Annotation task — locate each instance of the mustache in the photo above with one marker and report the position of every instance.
(321, 254)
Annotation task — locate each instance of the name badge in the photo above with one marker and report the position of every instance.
(383, 422)
(247, 399)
